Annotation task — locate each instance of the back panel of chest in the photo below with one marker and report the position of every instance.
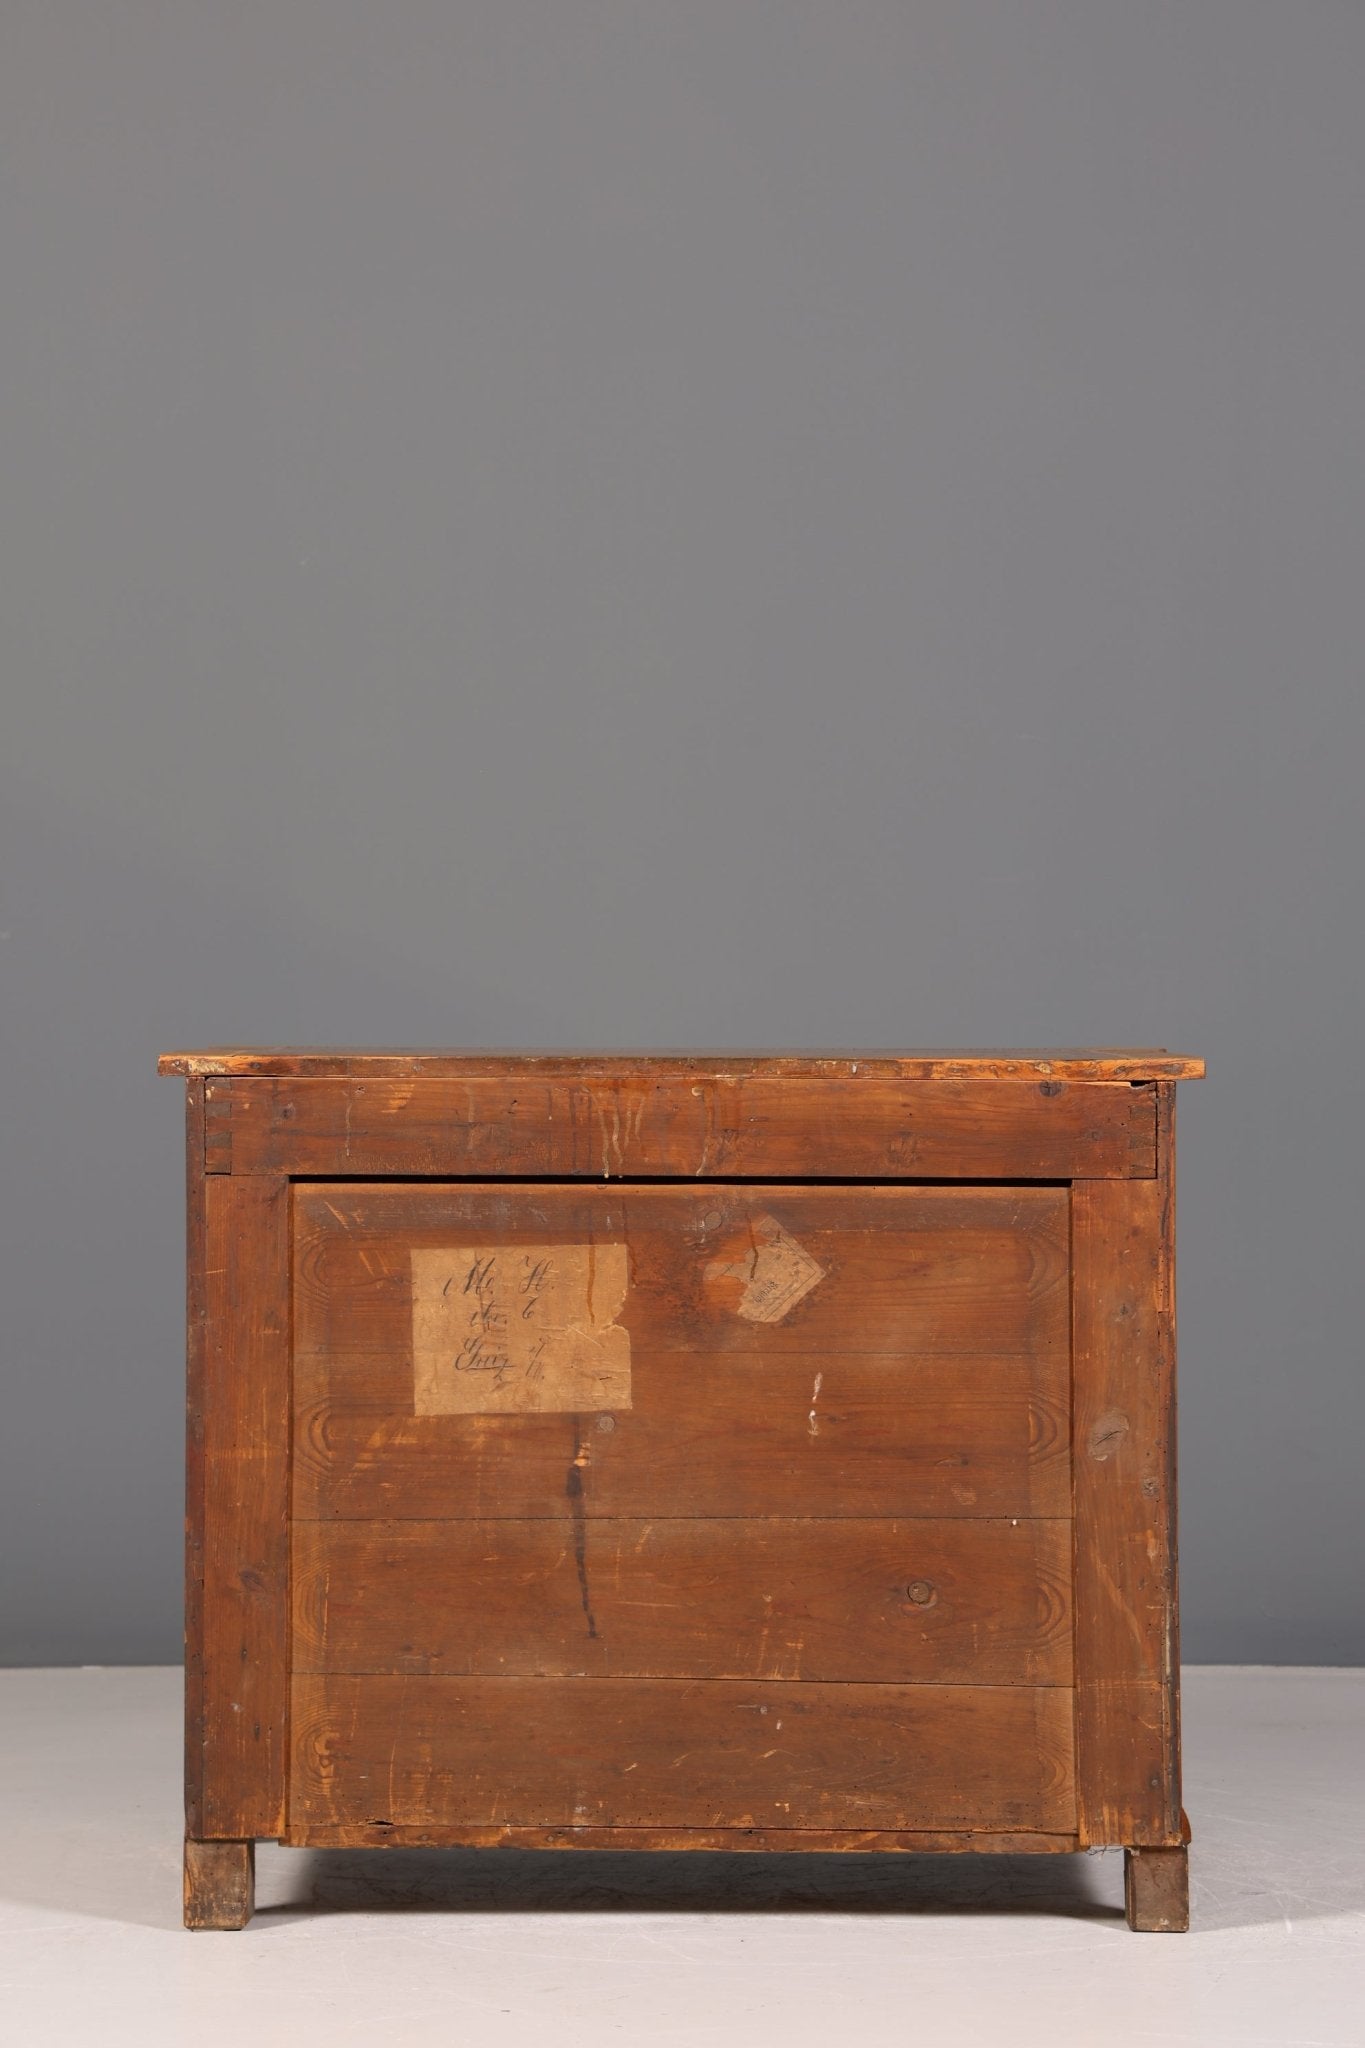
(659, 1451)
(724, 1507)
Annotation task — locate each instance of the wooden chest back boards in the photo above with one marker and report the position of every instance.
(678, 1450)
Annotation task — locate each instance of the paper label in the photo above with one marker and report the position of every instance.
(517, 1329)
(776, 1272)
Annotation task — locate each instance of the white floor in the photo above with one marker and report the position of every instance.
(501, 1948)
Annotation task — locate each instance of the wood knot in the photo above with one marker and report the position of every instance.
(1106, 1434)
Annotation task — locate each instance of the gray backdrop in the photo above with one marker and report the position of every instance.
(694, 522)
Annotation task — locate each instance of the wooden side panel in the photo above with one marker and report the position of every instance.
(196, 1322)
(446, 1754)
(238, 1752)
(971, 1603)
(763, 1126)
(925, 1373)
(1127, 1736)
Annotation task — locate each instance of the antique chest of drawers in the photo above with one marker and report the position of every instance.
(678, 1450)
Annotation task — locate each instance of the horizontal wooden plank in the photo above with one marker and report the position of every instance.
(928, 1063)
(959, 1437)
(903, 1273)
(844, 1126)
(448, 1753)
(926, 1373)
(323, 1834)
(980, 1603)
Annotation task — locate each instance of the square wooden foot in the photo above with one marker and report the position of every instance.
(1156, 1890)
(220, 1883)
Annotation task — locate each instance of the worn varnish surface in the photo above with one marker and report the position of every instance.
(984, 1603)
(682, 1450)
(545, 1752)
(927, 1374)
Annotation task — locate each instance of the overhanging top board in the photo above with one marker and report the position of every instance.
(1063, 1063)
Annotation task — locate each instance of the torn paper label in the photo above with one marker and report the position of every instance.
(516, 1329)
(776, 1272)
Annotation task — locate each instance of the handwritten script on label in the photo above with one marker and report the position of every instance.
(517, 1329)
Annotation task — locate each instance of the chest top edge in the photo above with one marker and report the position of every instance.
(1066, 1063)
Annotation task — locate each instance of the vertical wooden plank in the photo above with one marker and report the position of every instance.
(243, 1588)
(1165, 1137)
(195, 1317)
(217, 1127)
(1127, 1652)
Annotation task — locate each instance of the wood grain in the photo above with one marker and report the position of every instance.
(864, 1126)
(873, 1548)
(241, 1597)
(956, 1437)
(753, 1840)
(196, 1328)
(219, 1883)
(906, 1272)
(217, 1111)
(927, 1374)
(977, 1603)
(932, 1063)
(1127, 1656)
(445, 1754)
(1156, 1890)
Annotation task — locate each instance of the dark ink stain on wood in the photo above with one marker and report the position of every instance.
(573, 1488)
